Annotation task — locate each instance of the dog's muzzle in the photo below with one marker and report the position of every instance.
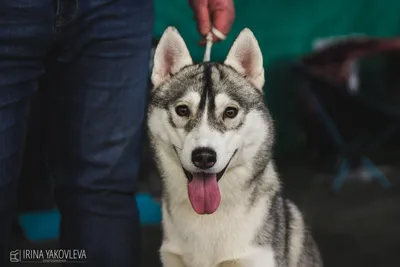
(204, 158)
(203, 189)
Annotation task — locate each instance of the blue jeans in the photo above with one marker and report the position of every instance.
(92, 57)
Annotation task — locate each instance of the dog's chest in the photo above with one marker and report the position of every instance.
(205, 241)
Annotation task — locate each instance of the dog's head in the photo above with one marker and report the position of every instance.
(210, 116)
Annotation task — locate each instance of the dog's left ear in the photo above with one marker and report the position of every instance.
(246, 58)
(171, 56)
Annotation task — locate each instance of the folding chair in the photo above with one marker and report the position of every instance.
(348, 121)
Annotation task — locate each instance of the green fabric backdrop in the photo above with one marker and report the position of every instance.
(285, 29)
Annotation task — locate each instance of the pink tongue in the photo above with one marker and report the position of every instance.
(204, 193)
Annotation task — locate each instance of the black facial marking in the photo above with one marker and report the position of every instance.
(192, 123)
(170, 120)
(208, 90)
(208, 86)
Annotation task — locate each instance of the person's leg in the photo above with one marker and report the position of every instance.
(98, 103)
(26, 31)
(34, 186)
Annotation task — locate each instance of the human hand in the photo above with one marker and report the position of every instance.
(219, 14)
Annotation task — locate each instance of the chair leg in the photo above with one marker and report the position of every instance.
(342, 175)
(377, 173)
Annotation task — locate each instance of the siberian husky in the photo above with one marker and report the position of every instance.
(212, 137)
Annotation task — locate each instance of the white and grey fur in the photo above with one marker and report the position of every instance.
(253, 225)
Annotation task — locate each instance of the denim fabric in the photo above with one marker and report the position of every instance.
(92, 60)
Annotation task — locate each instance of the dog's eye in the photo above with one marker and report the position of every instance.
(230, 112)
(182, 110)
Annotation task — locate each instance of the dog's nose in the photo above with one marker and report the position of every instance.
(204, 158)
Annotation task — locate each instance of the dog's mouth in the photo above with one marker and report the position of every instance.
(203, 189)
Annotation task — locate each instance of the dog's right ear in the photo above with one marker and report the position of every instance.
(171, 56)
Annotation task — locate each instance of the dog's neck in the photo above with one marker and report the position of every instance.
(253, 184)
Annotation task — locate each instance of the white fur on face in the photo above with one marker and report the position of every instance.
(254, 132)
(224, 144)
(246, 140)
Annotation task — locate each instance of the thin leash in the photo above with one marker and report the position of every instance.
(209, 39)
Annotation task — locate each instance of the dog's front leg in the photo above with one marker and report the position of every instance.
(231, 264)
(169, 259)
(253, 262)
